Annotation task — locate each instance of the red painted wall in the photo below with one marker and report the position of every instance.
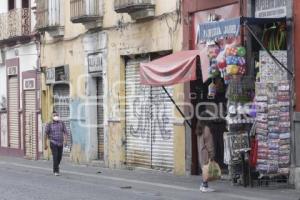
(297, 51)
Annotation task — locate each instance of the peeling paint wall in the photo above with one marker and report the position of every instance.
(124, 38)
(67, 51)
(163, 33)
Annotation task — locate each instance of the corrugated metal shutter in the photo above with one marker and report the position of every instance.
(30, 124)
(13, 112)
(61, 94)
(138, 118)
(100, 117)
(162, 129)
(149, 122)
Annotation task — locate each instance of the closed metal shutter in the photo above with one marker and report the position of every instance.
(13, 112)
(138, 118)
(30, 124)
(61, 94)
(149, 123)
(162, 129)
(100, 115)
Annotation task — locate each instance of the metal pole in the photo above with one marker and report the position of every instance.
(177, 107)
(267, 50)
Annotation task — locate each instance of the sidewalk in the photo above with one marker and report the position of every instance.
(148, 178)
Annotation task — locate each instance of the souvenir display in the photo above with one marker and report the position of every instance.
(273, 127)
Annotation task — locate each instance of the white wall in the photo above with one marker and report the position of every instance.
(28, 57)
(2, 82)
(3, 6)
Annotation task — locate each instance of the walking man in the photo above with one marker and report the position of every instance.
(56, 132)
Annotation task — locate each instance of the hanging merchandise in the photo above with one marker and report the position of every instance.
(273, 130)
(212, 90)
(274, 37)
(213, 68)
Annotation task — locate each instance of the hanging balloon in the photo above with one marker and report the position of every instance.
(231, 51)
(241, 51)
(242, 70)
(232, 60)
(222, 66)
(241, 61)
(232, 69)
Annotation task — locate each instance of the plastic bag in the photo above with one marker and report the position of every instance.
(211, 171)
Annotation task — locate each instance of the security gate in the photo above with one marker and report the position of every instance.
(100, 127)
(61, 95)
(30, 124)
(13, 113)
(149, 124)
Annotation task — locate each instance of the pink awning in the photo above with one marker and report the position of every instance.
(176, 68)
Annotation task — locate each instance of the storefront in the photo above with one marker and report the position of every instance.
(246, 84)
(58, 80)
(149, 122)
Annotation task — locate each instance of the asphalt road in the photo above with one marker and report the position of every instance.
(26, 180)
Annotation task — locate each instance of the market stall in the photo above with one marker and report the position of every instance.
(258, 96)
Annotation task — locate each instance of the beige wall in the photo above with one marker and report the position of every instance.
(158, 34)
(164, 32)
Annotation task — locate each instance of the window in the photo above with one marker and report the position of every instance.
(11, 4)
(25, 3)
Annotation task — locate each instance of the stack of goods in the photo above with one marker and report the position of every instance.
(273, 127)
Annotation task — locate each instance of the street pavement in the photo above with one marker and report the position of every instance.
(22, 179)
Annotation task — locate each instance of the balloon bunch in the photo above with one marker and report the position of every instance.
(231, 61)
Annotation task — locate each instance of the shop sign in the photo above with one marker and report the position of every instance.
(270, 8)
(12, 71)
(95, 63)
(218, 30)
(50, 76)
(29, 84)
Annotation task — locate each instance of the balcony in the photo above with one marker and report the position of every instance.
(137, 9)
(15, 25)
(86, 11)
(49, 17)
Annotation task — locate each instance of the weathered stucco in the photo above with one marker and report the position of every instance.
(124, 38)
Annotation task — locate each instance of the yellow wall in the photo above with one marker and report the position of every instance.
(159, 34)
(60, 51)
(164, 32)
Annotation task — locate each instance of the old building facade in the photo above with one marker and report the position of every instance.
(21, 130)
(90, 56)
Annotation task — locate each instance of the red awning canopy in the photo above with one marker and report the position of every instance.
(176, 68)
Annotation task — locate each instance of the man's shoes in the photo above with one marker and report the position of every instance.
(56, 174)
(206, 189)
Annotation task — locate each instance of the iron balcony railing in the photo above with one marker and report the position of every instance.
(86, 10)
(15, 23)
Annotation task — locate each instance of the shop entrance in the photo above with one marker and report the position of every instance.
(201, 102)
(100, 115)
(61, 99)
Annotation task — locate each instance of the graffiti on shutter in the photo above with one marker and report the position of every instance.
(149, 123)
